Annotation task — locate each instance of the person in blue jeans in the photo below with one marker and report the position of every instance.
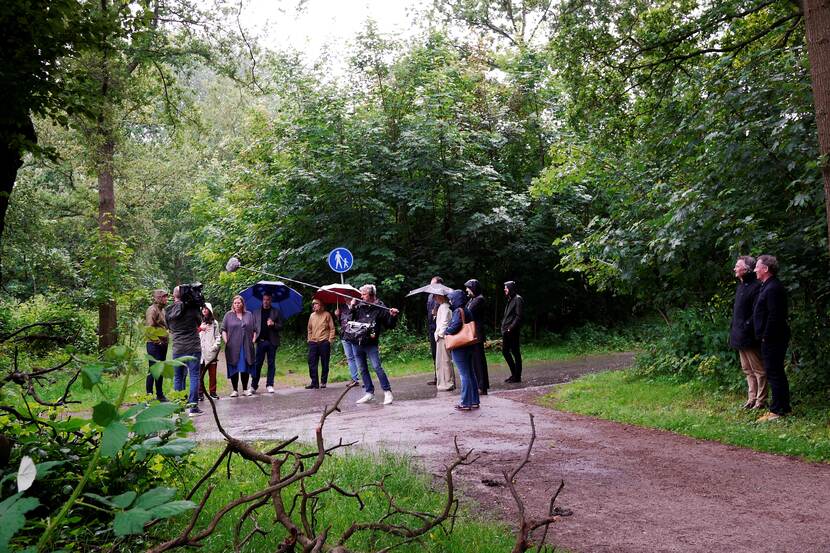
(183, 324)
(375, 317)
(463, 356)
(344, 314)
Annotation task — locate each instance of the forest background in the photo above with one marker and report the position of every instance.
(612, 157)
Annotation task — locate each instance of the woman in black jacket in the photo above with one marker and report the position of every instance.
(477, 306)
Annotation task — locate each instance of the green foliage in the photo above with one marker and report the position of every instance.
(695, 346)
(58, 455)
(74, 326)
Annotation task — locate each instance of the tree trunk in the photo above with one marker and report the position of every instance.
(817, 23)
(107, 315)
(14, 136)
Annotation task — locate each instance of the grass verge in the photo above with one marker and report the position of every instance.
(411, 488)
(693, 409)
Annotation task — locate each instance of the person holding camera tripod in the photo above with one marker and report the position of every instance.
(183, 319)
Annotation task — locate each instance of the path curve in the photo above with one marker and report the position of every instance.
(631, 489)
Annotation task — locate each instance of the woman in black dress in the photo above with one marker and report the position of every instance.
(477, 306)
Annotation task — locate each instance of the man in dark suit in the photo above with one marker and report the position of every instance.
(267, 327)
(742, 333)
(770, 321)
(511, 329)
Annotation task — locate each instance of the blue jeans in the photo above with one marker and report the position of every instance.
(264, 349)
(361, 353)
(463, 359)
(348, 350)
(192, 370)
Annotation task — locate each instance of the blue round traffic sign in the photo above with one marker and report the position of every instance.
(340, 260)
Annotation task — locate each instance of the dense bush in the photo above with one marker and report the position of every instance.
(76, 327)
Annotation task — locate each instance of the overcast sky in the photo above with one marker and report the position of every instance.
(324, 23)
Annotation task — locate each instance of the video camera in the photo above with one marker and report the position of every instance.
(191, 294)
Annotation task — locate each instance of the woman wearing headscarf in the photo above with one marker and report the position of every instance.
(211, 339)
(239, 336)
(462, 356)
(477, 306)
(444, 370)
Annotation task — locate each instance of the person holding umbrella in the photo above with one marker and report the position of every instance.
(444, 370)
(239, 336)
(320, 338)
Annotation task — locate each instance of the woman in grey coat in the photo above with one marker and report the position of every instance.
(239, 336)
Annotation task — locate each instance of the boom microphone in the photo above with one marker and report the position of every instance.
(233, 264)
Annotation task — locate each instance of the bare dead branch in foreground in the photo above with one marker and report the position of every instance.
(528, 526)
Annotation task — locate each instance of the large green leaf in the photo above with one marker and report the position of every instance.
(131, 522)
(104, 413)
(114, 437)
(13, 516)
(155, 497)
(124, 500)
(155, 419)
(91, 375)
(172, 508)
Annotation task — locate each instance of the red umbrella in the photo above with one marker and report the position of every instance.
(334, 293)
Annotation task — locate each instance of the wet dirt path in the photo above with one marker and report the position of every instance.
(631, 489)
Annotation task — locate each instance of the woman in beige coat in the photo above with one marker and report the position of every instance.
(444, 370)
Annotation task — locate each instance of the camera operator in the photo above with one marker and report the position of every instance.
(183, 319)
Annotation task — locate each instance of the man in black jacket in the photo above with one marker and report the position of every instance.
(770, 321)
(742, 335)
(267, 325)
(374, 317)
(511, 326)
(183, 321)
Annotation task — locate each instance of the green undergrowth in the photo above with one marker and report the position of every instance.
(694, 408)
(411, 488)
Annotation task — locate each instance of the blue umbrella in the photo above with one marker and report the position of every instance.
(286, 299)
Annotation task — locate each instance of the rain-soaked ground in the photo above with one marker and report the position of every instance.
(630, 489)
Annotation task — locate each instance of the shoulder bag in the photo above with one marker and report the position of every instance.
(464, 337)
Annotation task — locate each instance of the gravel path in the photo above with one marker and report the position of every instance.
(630, 489)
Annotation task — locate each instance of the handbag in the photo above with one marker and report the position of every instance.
(358, 332)
(464, 337)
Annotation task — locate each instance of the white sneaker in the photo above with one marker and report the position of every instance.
(234, 394)
(270, 389)
(366, 398)
(248, 392)
(387, 397)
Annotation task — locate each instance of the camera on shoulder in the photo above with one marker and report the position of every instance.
(191, 294)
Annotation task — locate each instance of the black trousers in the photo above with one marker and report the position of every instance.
(510, 348)
(773, 355)
(321, 351)
(159, 353)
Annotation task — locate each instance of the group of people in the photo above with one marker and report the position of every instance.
(447, 314)
(760, 333)
(251, 339)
